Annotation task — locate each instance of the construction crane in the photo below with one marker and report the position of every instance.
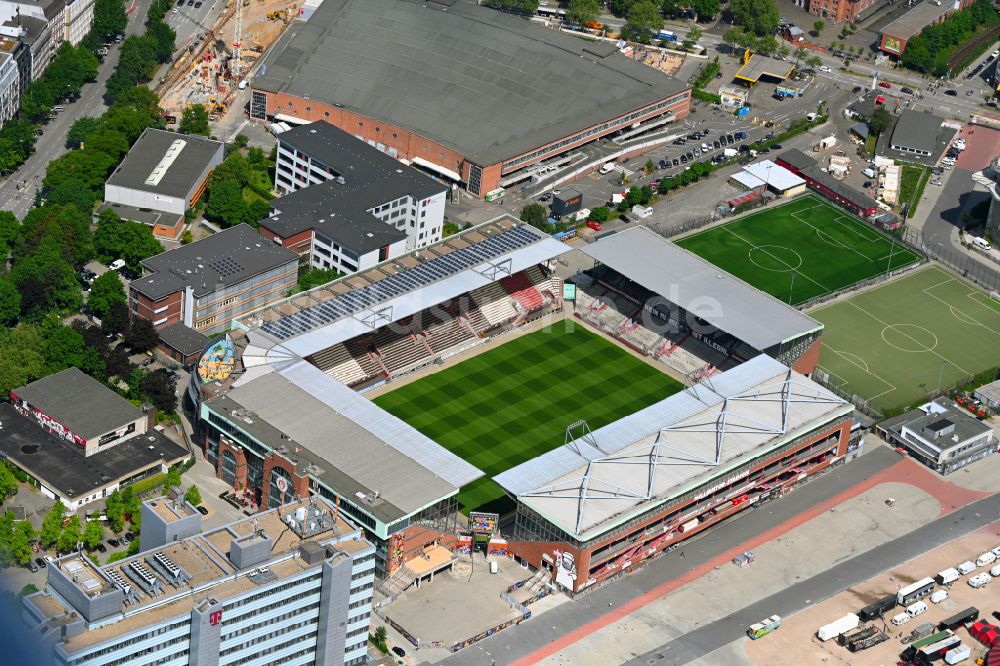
(237, 67)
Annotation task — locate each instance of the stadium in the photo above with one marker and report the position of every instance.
(518, 94)
(581, 425)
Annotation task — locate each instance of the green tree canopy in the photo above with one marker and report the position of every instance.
(129, 241)
(71, 535)
(161, 390)
(535, 215)
(879, 121)
(21, 358)
(194, 120)
(706, 9)
(93, 533)
(105, 290)
(193, 495)
(226, 203)
(10, 302)
(583, 11)
(52, 524)
(644, 17)
(142, 336)
(757, 17)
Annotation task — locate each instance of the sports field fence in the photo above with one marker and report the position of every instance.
(837, 386)
(981, 274)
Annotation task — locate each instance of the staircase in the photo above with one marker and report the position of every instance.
(395, 584)
(521, 289)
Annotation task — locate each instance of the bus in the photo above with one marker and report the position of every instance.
(759, 629)
(918, 590)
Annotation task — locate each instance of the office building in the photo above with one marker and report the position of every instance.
(208, 283)
(290, 586)
(349, 206)
(941, 435)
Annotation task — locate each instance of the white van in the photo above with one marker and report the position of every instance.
(607, 168)
(980, 580)
(985, 558)
(915, 609)
(869, 172)
(243, 84)
(117, 264)
(965, 568)
(902, 618)
(939, 596)
(947, 576)
(995, 571)
(996, 551)
(981, 244)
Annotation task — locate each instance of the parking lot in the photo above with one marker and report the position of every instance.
(796, 642)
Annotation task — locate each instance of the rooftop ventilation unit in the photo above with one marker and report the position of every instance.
(160, 170)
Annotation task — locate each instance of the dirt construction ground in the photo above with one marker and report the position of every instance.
(796, 643)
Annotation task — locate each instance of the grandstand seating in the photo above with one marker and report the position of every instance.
(522, 289)
(360, 354)
(494, 304)
(337, 362)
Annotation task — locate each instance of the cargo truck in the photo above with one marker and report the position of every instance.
(837, 627)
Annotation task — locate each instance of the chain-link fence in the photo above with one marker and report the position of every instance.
(975, 271)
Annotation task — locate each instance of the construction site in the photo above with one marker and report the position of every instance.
(209, 67)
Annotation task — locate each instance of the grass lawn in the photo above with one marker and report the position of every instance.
(894, 344)
(910, 186)
(513, 403)
(799, 250)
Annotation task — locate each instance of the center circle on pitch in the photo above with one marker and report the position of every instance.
(909, 338)
(777, 258)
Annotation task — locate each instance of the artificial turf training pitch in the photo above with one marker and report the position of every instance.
(513, 403)
(799, 250)
(896, 343)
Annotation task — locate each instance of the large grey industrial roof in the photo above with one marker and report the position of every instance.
(686, 441)
(78, 401)
(743, 311)
(916, 130)
(214, 262)
(351, 433)
(487, 84)
(179, 177)
(918, 18)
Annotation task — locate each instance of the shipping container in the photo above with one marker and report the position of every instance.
(970, 614)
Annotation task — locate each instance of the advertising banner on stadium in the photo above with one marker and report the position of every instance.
(483, 523)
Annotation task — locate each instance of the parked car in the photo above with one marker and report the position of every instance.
(684, 159)
(679, 142)
(101, 548)
(951, 93)
(884, 84)
(717, 144)
(40, 562)
(776, 146)
(908, 91)
(936, 181)
(596, 226)
(32, 567)
(202, 510)
(697, 152)
(114, 543)
(856, 89)
(398, 651)
(197, 5)
(662, 164)
(825, 69)
(674, 162)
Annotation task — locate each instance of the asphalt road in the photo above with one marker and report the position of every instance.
(707, 639)
(510, 645)
(52, 143)
(189, 21)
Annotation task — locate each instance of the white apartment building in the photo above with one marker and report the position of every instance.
(68, 20)
(10, 87)
(347, 205)
(290, 587)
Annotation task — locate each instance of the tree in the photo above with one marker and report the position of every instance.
(123, 239)
(767, 44)
(105, 290)
(160, 389)
(583, 11)
(162, 37)
(240, 141)
(21, 358)
(757, 17)
(173, 480)
(193, 495)
(8, 482)
(692, 37)
(10, 302)
(535, 215)
(81, 129)
(520, 6)
(110, 18)
(879, 121)
(52, 524)
(20, 542)
(71, 535)
(738, 38)
(226, 203)
(73, 192)
(195, 120)
(644, 17)
(706, 9)
(782, 51)
(814, 61)
(142, 336)
(818, 28)
(801, 53)
(93, 533)
(114, 509)
(115, 322)
(63, 347)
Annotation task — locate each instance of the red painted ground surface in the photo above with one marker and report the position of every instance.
(982, 144)
(949, 495)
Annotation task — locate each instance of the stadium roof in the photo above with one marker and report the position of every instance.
(82, 404)
(212, 263)
(510, 85)
(315, 320)
(916, 130)
(775, 176)
(743, 311)
(177, 161)
(353, 440)
(609, 476)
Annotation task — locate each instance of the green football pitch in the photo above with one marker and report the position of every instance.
(513, 403)
(898, 342)
(799, 250)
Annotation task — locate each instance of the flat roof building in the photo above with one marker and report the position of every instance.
(163, 175)
(774, 177)
(348, 205)
(516, 92)
(802, 165)
(894, 37)
(756, 66)
(303, 576)
(941, 435)
(79, 439)
(208, 283)
(916, 132)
